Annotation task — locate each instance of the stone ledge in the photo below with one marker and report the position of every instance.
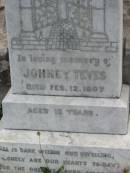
(78, 152)
(71, 114)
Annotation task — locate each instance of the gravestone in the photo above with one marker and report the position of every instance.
(60, 49)
(65, 47)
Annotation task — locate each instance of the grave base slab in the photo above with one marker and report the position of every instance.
(23, 151)
(69, 114)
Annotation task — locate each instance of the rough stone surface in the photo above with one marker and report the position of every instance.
(126, 67)
(20, 151)
(2, 3)
(4, 64)
(93, 115)
(3, 38)
(127, 22)
(69, 52)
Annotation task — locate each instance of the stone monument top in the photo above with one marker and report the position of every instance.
(66, 47)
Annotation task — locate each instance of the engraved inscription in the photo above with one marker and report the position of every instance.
(60, 111)
(65, 75)
(64, 25)
(38, 71)
(29, 159)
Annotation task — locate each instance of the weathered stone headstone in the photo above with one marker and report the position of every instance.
(61, 48)
(51, 46)
(69, 48)
(65, 47)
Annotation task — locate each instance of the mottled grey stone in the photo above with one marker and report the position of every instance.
(126, 67)
(20, 151)
(66, 48)
(92, 115)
